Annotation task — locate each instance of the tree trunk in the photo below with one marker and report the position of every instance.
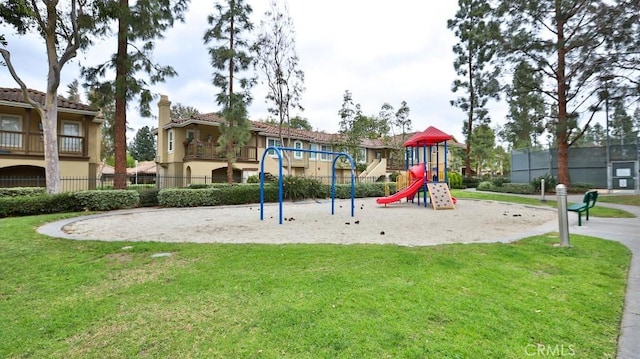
(230, 141)
(50, 137)
(120, 125)
(561, 127)
(467, 159)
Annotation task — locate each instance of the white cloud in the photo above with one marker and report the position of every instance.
(379, 50)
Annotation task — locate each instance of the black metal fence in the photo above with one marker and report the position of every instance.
(75, 184)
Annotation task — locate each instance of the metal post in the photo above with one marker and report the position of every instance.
(542, 199)
(563, 220)
(608, 148)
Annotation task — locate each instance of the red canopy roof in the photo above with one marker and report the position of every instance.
(428, 137)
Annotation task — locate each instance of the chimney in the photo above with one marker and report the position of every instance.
(164, 117)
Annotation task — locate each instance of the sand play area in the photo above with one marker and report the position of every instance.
(311, 222)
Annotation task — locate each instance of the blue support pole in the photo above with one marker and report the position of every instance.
(278, 151)
(446, 172)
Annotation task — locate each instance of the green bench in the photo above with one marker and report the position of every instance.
(588, 201)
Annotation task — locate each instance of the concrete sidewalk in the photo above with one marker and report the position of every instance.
(627, 232)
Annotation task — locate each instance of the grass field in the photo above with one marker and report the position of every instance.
(87, 299)
(597, 211)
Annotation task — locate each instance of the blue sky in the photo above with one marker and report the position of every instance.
(378, 51)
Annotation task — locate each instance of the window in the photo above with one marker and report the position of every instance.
(10, 131)
(361, 155)
(71, 140)
(170, 141)
(273, 142)
(313, 147)
(297, 154)
(325, 156)
(191, 134)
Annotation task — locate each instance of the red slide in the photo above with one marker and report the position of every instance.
(407, 192)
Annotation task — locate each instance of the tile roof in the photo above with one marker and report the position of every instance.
(15, 95)
(269, 130)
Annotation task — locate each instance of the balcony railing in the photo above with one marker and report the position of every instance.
(209, 151)
(22, 143)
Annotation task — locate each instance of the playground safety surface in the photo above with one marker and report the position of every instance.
(401, 223)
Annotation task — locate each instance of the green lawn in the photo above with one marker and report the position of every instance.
(597, 211)
(87, 299)
(630, 200)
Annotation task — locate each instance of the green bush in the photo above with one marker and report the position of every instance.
(149, 197)
(470, 182)
(223, 195)
(455, 180)
(175, 197)
(486, 186)
(363, 190)
(579, 187)
(107, 200)
(40, 204)
(550, 183)
(22, 191)
(517, 188)
(499, 181)
(253, 179)
(394, 176)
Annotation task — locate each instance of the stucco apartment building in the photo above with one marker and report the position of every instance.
(22, 145)
(187, 150)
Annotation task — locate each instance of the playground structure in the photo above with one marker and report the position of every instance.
(278, 152)
(419, 174)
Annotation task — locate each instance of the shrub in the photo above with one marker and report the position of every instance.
(550, 183)
(22, 191)
(174, 197)
(253, 179)
(580, 187)
(149, 197)
(394, 176)
(40, 204)
(363, 190)
(486, 186)
(470, 182)
(499, 181)
(455, 180)
(517, 188)
(107, 200)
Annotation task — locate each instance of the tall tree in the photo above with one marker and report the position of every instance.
(636, 121)
(402, 120)
(230, 55)
(180, 111)
(579, 46)
(484, 145)
(277, 60)
(478, 37)
(621, 124)
(525, 120)
(106, 104)
(594, 136)
(63, 30)
(138, 27)
(73, 91)
(143, 147)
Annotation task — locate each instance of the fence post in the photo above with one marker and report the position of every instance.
(563, 220)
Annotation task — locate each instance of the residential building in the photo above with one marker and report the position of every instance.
(22, 145)
(187, 149)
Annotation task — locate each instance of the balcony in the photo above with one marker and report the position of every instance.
(201, 150)
(21, 143)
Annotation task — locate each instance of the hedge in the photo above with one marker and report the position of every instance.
(41, 204)
(107, 200)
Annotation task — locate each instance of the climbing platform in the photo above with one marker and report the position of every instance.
(440, 195)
